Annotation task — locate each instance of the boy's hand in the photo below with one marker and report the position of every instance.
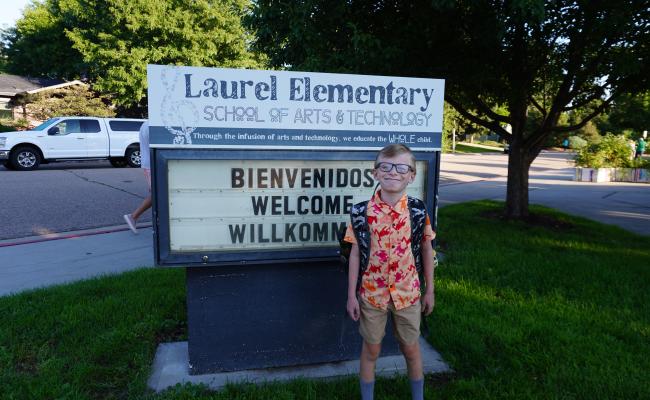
(428, 302)
(353, 308)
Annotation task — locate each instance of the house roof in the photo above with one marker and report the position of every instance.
(11, 85)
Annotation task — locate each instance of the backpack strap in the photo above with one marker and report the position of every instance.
(418, 215)
(359, 220)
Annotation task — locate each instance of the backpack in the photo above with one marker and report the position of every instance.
(359, 221)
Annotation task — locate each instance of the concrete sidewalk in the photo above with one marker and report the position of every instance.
(33, 262)
(170, 367)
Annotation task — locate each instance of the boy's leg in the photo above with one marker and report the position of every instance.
(413, 359)
(372, 327)
(407, 331)
(367, 361)
(369, 355)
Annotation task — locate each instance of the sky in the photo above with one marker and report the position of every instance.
(11, 11)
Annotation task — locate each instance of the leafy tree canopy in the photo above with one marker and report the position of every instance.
(38, 45)
(551, 56)
(112, 41)
(629, 112)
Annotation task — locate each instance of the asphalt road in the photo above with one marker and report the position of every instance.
(484, 176)
(62, 197)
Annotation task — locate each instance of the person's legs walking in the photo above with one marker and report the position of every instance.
(131, 219)
(144, 206)
(131, 223)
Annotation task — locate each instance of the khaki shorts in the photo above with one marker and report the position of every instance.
(406, 322)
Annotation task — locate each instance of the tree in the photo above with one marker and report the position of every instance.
(629, 112)
(118, 38)
(112, 41)
(38, 45)
(78, 100)
(551, 56)
(455, 122)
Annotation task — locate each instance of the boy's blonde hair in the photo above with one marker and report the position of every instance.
(396, 149)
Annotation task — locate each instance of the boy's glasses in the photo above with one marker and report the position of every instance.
(387, 167)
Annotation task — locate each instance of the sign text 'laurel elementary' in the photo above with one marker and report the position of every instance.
(236, 108)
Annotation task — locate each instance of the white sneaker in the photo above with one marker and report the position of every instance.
(131, 223)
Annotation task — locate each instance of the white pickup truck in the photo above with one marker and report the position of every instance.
(73, 138)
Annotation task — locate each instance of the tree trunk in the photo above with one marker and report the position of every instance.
(517, 189)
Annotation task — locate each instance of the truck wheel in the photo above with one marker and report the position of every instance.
(118, 162)
(25, 158)
(133, 157)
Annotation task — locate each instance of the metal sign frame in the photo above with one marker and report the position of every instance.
(161, 215)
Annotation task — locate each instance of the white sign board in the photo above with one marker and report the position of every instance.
(229, 205)
(238, 108)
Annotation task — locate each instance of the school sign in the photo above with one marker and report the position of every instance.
(254, 174)
(234, 108)
(264, 165)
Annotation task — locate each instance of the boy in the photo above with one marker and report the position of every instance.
(389, 278)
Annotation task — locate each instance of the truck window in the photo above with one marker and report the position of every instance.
(68, 126)
(90, 126)
(45, 124)
(131, 126)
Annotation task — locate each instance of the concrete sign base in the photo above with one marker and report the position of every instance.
(171, 366)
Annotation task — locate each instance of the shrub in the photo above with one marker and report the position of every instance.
(577, 143)
(639, 163)
(78, 100)
(589, 159)
(616, 151)
(590, 133)
(613, 151)
(445, 145)
(8, 125)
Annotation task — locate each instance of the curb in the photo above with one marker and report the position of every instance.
(67, 235)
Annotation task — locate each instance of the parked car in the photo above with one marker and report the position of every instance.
(73, 138)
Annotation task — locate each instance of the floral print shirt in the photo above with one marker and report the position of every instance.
(391, 274)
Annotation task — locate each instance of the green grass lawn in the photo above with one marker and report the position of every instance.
(463, 148)
(554, 309)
